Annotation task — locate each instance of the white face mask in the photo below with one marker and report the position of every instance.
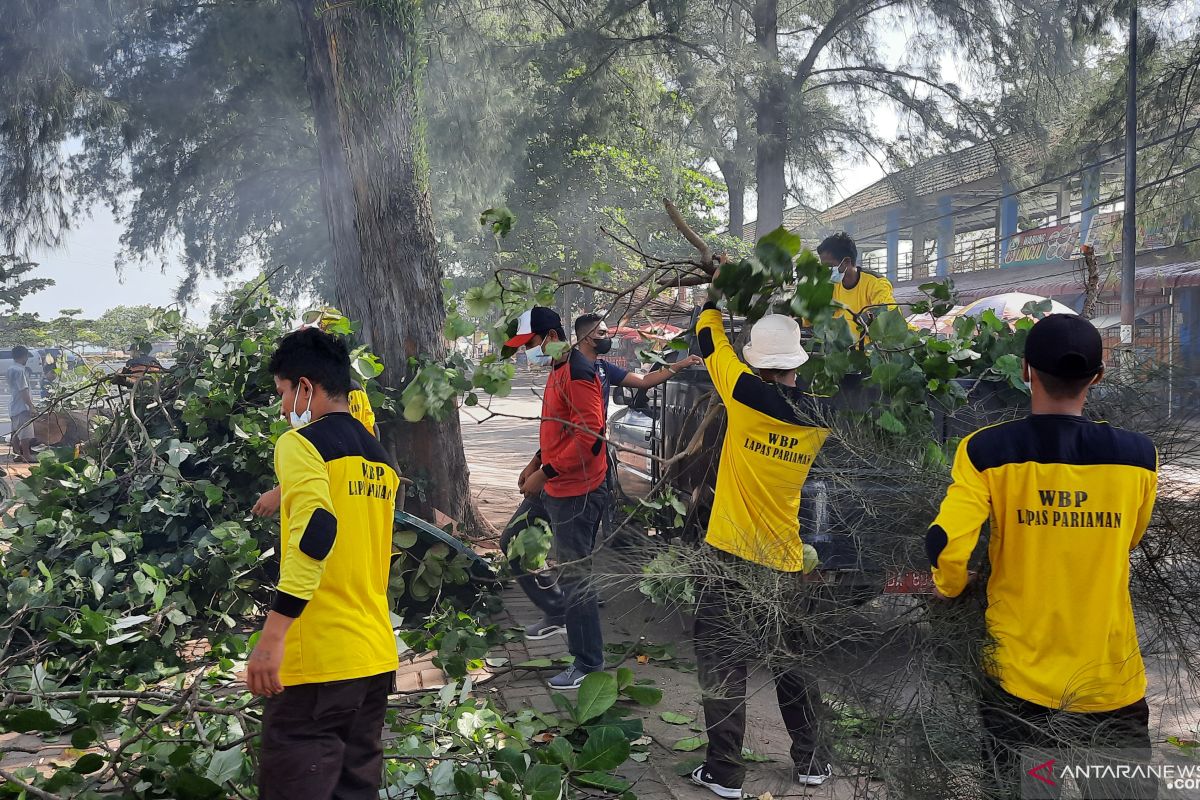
(536, 356)
(300, 420)
(836, 274)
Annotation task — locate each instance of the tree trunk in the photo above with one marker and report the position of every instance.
(771, 150)
(735, 182)
(363, 64)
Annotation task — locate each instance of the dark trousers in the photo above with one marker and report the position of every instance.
(727, 637)
(544, 589)
(323, 741)
(575, 521)
(1012, 725)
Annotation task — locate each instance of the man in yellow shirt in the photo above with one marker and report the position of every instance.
(1067, 500)
(326, 657)
(754, 533)
(864, 294)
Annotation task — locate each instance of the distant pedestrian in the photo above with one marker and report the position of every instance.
(568, 476)
(20, 406)
(1067, 500)
(326, 658)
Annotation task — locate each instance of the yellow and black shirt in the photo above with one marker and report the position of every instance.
(871, 292)
(360, 407)
(765, 459)
(336, 516)
(1067, 499)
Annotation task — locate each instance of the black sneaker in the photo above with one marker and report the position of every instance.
(544, 629)
(813, 775)
(702, 777)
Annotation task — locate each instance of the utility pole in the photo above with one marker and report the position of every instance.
(1129, 219)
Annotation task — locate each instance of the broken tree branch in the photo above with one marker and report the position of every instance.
(706, 258)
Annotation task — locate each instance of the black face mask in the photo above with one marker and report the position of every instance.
(603, 345)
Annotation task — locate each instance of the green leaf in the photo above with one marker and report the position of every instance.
(624, 677)
(543, 782)
(535, 663)
(225, 765)
(687, 766)
(689, 744)
(643, 695)
(456, 327)
(28, 720)
(500, 219)
(886, 373)
(889, 329)
(88, 763)
(673, 718)
(750, 755)
(606, 748)
(888, 421)
(188, 785)
(600, 780)
(597, 694)
(509, 762)
(213, 493)
(561, 752)
(783, 239)
(555, 349)
(83, 738)
(405, 539)
(479, 300)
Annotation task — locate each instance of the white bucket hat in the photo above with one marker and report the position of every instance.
(775, 344)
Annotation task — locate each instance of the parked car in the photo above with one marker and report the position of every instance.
(855, 510)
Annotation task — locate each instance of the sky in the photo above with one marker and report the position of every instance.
(85, 277)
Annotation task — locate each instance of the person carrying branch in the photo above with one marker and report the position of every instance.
(1067, 500)
(754, 536)
(326, 658)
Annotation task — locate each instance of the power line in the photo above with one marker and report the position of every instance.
(990, 244)
(1048, 181)
(1073, 270)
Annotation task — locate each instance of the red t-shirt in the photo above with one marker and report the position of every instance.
(572, 429)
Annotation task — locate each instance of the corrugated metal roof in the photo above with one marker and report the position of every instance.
(936, 175)
(1056, 280)
(797, 219)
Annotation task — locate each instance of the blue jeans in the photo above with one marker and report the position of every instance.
(542, 589)
(575, 521)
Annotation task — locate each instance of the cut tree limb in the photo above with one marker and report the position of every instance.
(706, 259)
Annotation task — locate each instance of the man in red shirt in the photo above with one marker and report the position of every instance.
(568, 473)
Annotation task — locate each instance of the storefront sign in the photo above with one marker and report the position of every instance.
(1105, 233)
(1053, 245)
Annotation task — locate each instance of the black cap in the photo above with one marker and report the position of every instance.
(1065, 346)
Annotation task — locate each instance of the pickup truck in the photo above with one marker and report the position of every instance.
(864, 514)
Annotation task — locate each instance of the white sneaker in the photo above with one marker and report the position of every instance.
(701, 777)
(814, 779)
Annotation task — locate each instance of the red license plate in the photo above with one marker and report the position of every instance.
(910, 582)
